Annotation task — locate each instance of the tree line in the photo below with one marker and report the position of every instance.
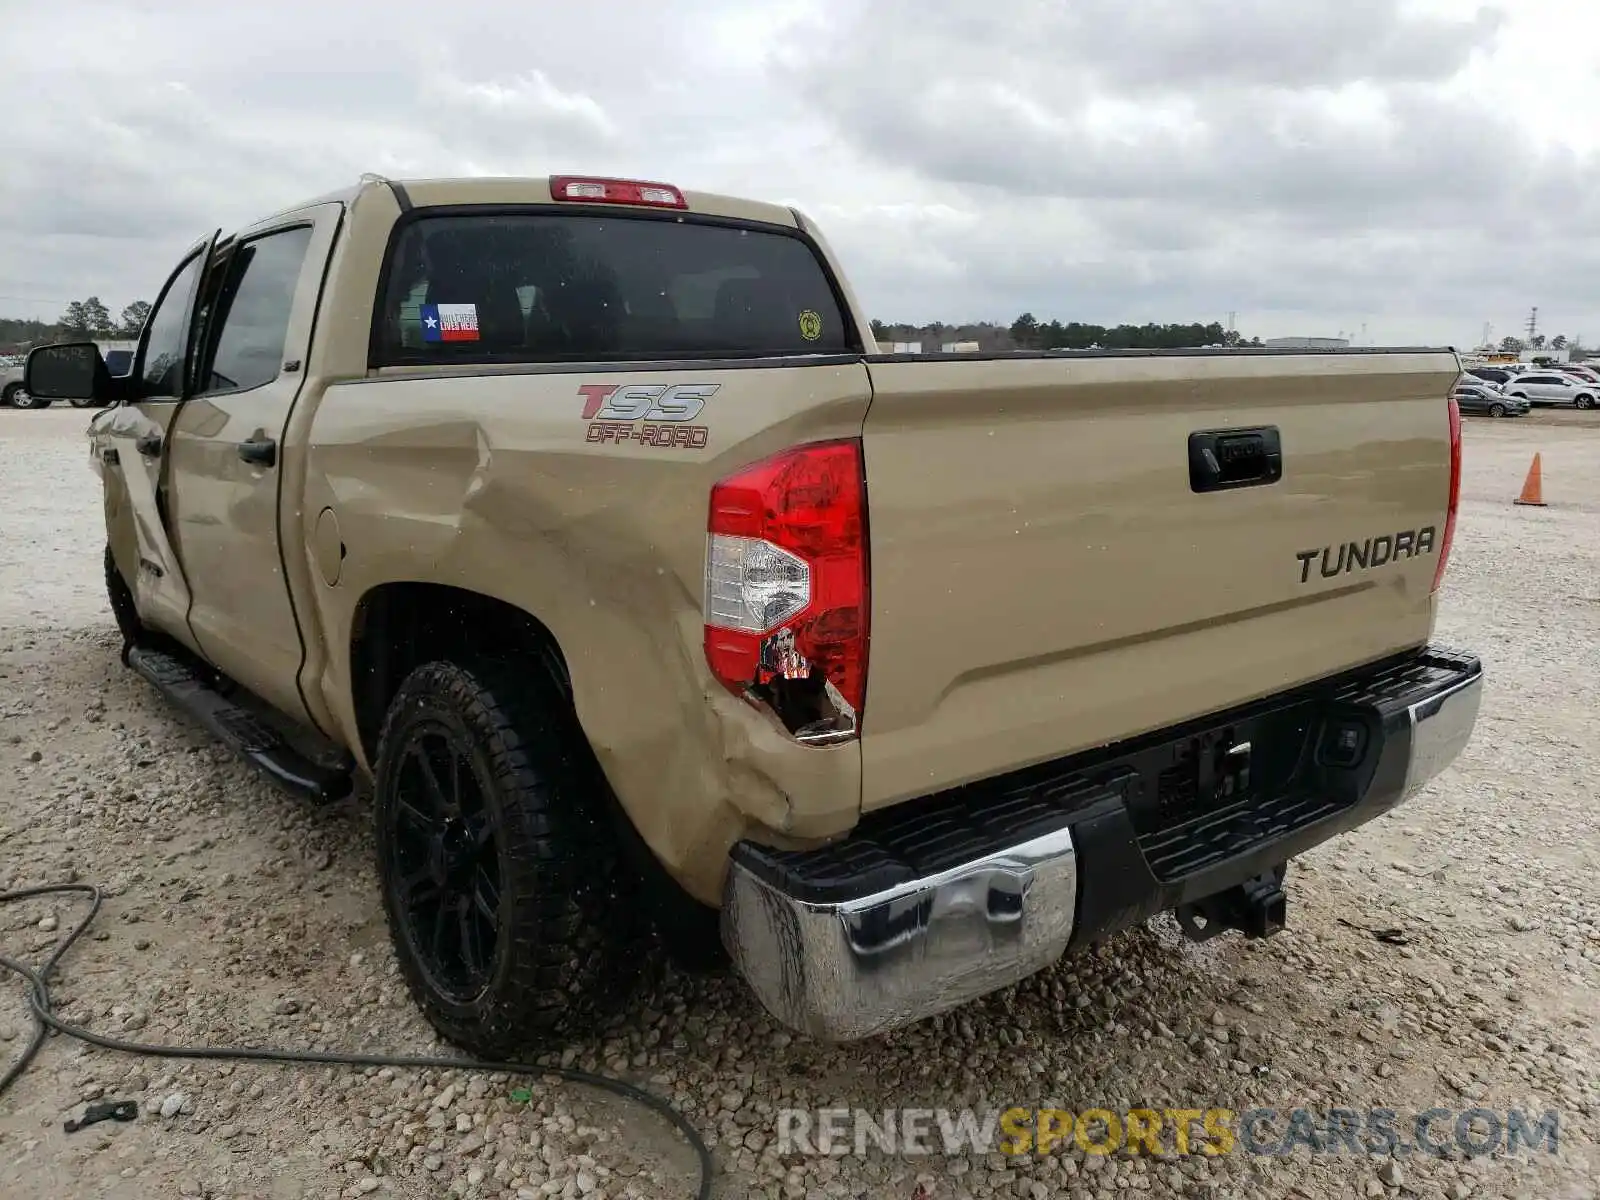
(1032, 334)
(88, 318)
(1027, 332)
(1516, 345)
(91, 318)
(94, 318)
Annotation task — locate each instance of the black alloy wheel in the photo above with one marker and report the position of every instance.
(445, 859)
(504, 896)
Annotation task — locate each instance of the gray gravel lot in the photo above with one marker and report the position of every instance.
(236, 915)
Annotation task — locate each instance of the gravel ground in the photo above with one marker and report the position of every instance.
(236, 915)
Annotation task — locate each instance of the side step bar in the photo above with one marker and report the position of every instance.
(237, 728)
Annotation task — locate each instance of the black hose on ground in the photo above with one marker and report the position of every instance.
(45, 1020)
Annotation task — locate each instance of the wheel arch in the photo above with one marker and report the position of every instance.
(397, 626)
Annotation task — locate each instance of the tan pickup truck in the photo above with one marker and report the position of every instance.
(583, 518)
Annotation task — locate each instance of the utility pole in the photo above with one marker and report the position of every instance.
(1533, 324)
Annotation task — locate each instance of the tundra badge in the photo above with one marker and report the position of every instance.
(1363, 556)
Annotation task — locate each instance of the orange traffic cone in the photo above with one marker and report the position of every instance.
(1533, 486)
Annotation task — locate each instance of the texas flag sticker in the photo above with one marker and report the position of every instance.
(449, 322)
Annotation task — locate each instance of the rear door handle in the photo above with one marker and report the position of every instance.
(149, 445)
(262, 451)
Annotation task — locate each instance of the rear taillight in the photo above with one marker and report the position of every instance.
(591, 190)
(786, 587)
(1455, 494)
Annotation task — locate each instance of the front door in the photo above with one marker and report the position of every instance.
(226, 453)
(130, 440)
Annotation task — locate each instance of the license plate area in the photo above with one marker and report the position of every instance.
(1222, 767)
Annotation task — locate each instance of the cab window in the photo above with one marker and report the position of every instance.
(524, 286)
(167, 341)
(250, 315)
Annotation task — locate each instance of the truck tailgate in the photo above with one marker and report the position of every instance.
(1045, 577)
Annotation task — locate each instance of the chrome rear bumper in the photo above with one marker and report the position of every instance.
(853, 968)
(1441, 726)
(945, 899)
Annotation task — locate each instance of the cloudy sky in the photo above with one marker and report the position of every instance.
(1312, 165)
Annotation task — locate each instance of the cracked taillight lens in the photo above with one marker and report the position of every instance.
(786, 573)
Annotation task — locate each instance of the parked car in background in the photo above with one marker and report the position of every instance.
(1579, 371)
(12, 393)
(1485, 399)
(1553, 387)
(1497, 376)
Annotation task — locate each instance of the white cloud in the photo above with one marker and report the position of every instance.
(1420, 165)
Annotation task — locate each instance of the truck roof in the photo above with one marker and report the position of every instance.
(483, 189)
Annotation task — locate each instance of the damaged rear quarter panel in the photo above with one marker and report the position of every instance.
(489, 483)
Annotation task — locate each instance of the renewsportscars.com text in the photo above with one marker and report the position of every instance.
(1167, 1132)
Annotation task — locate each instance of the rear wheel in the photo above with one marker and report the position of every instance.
(500, 883)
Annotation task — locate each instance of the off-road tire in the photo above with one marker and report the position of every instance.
(566, 915)
(123, 610)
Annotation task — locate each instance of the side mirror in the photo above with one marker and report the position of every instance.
(70, 371)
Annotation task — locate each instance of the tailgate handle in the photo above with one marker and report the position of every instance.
(1220, 459)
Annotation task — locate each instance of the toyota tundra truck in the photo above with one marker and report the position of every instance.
(582, 520)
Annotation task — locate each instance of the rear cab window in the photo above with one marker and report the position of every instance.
(540, 286)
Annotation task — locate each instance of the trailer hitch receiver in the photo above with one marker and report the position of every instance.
(1257, 908)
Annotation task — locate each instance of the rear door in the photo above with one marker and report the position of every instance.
(225, 458)
(1046, 577)
(131, 440)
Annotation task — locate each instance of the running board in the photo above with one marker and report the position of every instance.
(237, 728)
